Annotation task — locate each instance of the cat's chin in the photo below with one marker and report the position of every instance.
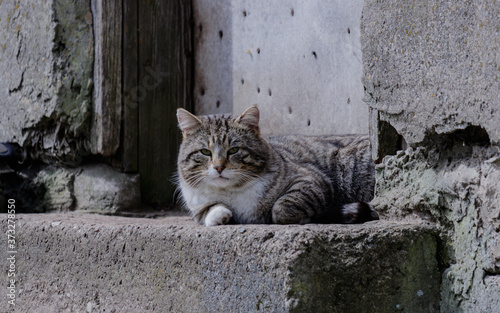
(221, 182)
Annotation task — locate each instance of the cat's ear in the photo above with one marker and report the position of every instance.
(187, 121)
(250, 118)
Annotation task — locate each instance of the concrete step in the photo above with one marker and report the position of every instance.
(93, 263)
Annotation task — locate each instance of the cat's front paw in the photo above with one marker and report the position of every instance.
(218, 215)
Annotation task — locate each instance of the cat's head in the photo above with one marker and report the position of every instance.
(221, 151)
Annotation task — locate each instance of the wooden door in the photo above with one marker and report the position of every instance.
(156, 53)
(165, 73)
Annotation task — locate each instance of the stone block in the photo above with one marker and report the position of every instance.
(92, 188)
(75, 262)
(100, 188)
(58, 186)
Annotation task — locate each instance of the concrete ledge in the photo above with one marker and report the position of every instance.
(92, 263)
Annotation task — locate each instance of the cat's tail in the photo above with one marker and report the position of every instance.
(358, 212)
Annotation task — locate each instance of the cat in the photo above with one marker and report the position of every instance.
(229, 173)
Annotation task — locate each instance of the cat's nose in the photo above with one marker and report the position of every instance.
(219, 168)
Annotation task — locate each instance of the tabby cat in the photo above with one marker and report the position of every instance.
(229, 173)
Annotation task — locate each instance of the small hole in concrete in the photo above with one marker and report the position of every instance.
(242, 81)
(308, 122)
(244, 13)
(217, 104)
(348, 30)
(200, 27)
(314, 54)
(472, 136)
(221, 34)
(389, 141)
(292, 13)
(270, 92)
(258, 90)
(258, 50)
(290, 110)
(348, 100)
(202, 91)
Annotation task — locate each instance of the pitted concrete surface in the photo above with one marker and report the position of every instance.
(92, 263)
(300, 61)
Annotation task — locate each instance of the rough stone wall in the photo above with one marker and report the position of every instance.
(46, 76)
(46, 83)
(431, 77)
(458, 189)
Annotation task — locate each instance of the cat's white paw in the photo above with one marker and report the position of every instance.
(218, 215)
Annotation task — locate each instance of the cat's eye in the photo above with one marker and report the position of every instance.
(206, 152)
(233, 150)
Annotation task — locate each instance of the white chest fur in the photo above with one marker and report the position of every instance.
(244, 201)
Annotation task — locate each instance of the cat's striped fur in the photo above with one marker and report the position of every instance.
(228, 172)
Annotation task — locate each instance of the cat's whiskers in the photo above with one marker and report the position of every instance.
(247, 173)
(195, 180)
(245, 176)
(196, 177)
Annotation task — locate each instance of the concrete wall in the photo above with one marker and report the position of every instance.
(433, 67)
(299, 61)
(213, 56)
(431, 74)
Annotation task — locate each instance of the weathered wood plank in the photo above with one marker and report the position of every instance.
(130, 140)
(126, 158)
(165, 83)
(107, 100)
